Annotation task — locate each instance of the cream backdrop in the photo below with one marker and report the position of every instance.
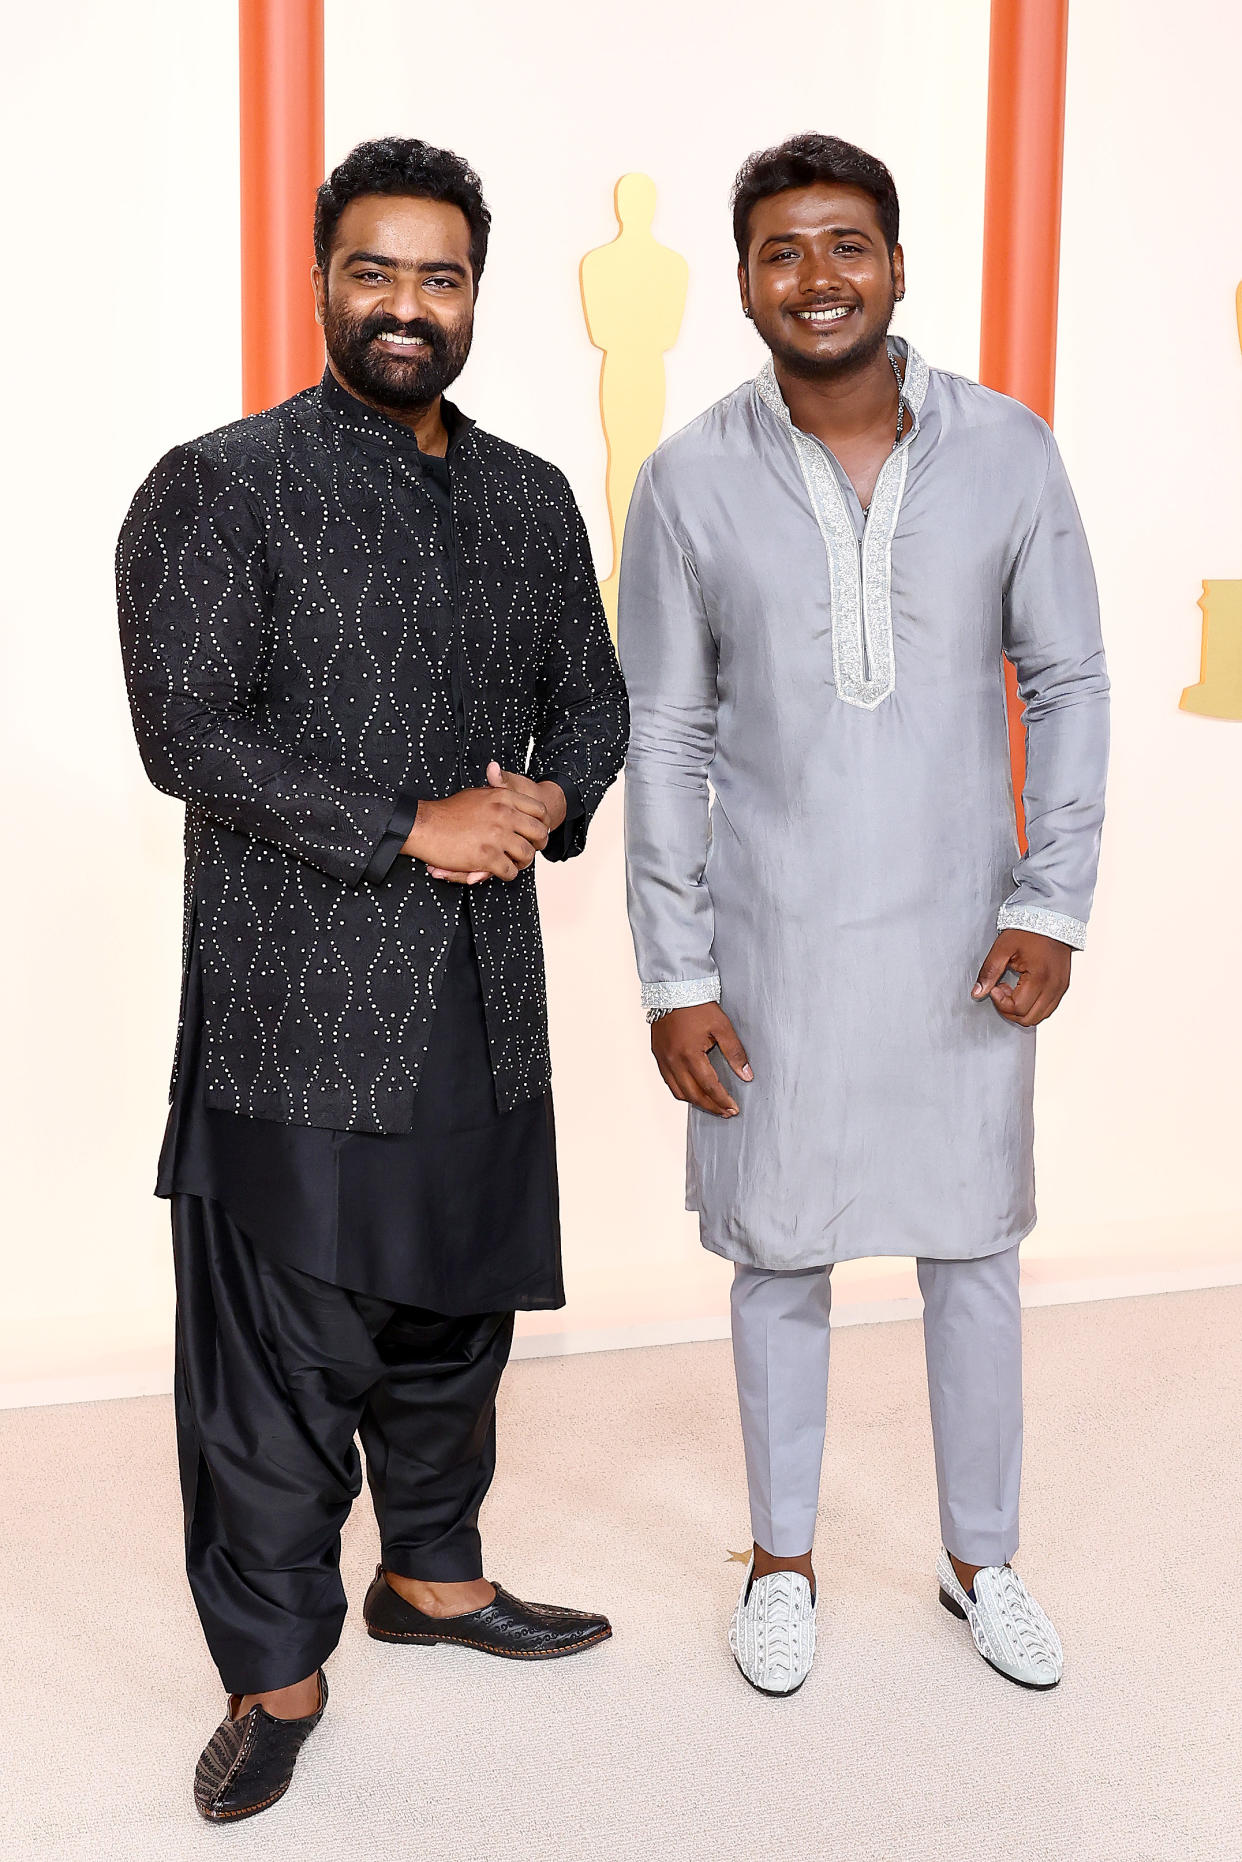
(122, 338)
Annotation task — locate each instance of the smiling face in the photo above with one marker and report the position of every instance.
(397, 301)
(818, 279)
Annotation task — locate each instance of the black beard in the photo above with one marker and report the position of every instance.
(852, 361)
(393, 381)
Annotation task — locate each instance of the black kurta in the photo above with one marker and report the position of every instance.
(458, 1215)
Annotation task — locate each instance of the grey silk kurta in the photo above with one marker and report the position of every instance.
(819, 811)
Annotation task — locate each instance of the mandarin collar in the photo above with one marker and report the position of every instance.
(370, 428)
(913, 388)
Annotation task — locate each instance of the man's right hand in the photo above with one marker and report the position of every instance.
(489, 832)
(681, 1042)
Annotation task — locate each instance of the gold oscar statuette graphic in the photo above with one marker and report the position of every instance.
(1219, 691)
(633, 298)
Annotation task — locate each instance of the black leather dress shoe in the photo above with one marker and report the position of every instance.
(247, 1764)
(530, 1632)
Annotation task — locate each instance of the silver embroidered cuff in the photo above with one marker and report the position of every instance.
(1071, 931)
(662, 998)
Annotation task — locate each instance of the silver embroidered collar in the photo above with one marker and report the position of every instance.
(860, 579)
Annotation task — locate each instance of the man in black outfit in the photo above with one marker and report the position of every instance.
(349, 624)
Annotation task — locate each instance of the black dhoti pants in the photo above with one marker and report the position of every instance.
(276, 1371)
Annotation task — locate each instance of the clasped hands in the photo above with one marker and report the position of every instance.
(490, 833)
(683, 1039)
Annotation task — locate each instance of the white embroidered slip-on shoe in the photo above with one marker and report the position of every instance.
(772, 1634)
(1011, 1632)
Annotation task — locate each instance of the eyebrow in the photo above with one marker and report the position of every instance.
(396, 265)
(838, 232)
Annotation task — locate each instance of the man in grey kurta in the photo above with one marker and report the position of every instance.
(822, 851)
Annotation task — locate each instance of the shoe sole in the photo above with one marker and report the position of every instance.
(769, 1693)
(508, 1655)
(1035, 1687)
(248, 1810)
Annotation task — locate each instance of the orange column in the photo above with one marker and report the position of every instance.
(281, 73)
(1022, 230)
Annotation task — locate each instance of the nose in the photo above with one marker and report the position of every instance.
(819, 275)
(405, 300)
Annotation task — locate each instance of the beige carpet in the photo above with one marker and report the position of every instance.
(620, 1487)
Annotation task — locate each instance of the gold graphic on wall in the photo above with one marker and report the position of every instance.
(633, 298)
(1219, 691)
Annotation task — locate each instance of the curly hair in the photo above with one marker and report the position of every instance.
(801, 161)
(403, 165)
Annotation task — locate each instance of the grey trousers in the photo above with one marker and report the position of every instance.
(972, 1330)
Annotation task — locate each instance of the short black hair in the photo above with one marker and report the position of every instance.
(402, 165)
(801, 162)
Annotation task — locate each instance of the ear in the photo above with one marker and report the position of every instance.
(743, 285)
(319, 284)
(899, 272)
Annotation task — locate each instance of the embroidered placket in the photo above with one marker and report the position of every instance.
(860, 579)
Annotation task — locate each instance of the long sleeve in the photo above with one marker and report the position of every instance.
(193, 608)
(394, 838)
(668, 656)
(583, 718)
(1052, 634)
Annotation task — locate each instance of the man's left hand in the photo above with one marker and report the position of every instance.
(1042, 965)
(549, 793)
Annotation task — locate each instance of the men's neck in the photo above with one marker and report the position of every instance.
(425, 423)
(841, 407)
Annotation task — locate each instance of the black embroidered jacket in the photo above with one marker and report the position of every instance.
(312, 642)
